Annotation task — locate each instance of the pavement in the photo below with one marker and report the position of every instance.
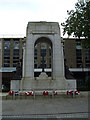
(45, 107)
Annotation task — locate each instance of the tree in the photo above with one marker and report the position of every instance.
(78, 23)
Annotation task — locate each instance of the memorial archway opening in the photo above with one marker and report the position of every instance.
(43, 56)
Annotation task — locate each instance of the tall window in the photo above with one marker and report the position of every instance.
(16, 47)
(16, 44)
(40, 55)
(7, 46)
(15, 52)
(79, 58)
(43, 47)
(79, 53)
(87, 58)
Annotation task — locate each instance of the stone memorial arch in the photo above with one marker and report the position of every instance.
(44, 32)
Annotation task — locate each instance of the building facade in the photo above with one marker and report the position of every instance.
(77, 59)
(10, 55)
(76, 56)
(11, 51)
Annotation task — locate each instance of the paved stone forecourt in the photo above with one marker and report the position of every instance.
(46, 108)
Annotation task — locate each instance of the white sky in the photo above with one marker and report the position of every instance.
(15, 14)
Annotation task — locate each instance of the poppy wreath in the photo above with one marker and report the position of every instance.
(45, 92)
(70, 92)
(32, 93)
(27, 93)
(11, 92)
(54, 93)
(21, 93)
(77, 92)
(16, 92)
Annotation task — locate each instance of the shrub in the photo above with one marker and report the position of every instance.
(83, 88)
(5, 90)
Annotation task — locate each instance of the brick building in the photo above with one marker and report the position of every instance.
(77, 59)
(10, 54)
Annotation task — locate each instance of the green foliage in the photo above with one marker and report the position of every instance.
(83, 88)
(6, 90)
(86, 87)
(88, 83)
(78, 22)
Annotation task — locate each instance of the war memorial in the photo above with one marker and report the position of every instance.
(43, 32)
(21, 105)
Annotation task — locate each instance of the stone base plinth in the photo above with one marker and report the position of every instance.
(71, 84)
(47, 84)
(43, 84)
(15, 84)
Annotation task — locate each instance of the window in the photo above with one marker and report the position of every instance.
(87, 58)
(35, 52)
(16, 47)
(79, 65)
(15, 59)
(49, 52)
(35, 61)
(16, 44)
(78, 42)
(6, 44)
(14, 65)
(6, 47)
(6, 65)
(79, 58)
(43, 64)
(35, 57)
(16, 52)
(43, 52)
(78, 52)
(35, 65)
(6, 60)
(88, 65)
(43, 46)
(7, 52)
